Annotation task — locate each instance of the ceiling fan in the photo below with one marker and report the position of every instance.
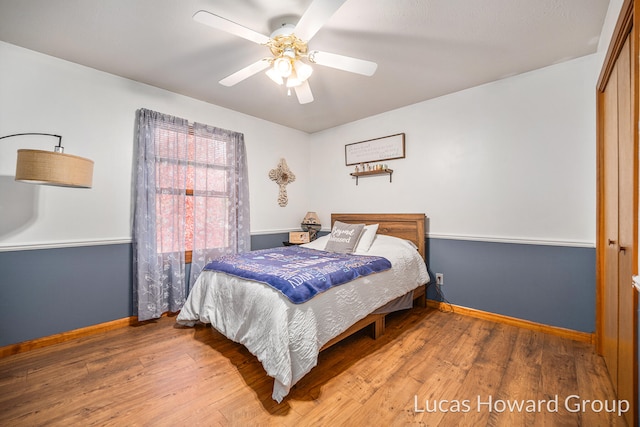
(288, 44)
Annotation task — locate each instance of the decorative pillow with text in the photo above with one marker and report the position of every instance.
(344, 237)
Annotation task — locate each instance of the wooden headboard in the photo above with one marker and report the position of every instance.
(405, 226)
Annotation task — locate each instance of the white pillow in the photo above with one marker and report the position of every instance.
(367, 237)
(320, 243)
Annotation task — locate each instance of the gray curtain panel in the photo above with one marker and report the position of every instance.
(191, 193)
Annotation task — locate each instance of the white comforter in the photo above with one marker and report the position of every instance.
(287, 337)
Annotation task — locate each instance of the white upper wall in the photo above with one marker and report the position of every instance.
(95, 114)
(510, 160)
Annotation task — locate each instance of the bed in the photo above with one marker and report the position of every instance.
(287, 337)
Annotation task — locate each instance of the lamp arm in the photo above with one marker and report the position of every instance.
(59, 147)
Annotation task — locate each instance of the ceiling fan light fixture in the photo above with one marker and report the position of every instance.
(293, 81)
(303, 71)
(283, 67)
(275, 76)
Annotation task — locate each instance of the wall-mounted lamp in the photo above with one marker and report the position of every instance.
(52, 167)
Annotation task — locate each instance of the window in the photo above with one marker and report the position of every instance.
(192, 177)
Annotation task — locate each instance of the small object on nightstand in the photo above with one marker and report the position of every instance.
(298, 237)
(311, 224)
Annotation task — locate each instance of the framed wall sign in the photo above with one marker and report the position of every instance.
(374, 150)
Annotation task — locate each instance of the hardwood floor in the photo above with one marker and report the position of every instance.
(430, 368)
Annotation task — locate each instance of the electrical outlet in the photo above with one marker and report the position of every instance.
(440, 279)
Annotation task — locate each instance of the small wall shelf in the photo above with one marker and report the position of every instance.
(373, 172)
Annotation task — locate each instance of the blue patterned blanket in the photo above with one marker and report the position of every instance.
(299, 273)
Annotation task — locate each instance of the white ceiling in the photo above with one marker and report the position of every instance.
(424, 48)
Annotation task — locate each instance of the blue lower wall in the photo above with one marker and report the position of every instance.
(49, 291)
(552, 285)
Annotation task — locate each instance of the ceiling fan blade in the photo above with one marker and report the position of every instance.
(245, 73)
(231, 27)
(303, 92)
(315, 17)
(346, 63)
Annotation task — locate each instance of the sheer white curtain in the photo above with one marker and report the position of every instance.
(191, 195)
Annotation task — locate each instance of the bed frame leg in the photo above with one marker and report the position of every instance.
(422, 300)
(378, 327)
(420, 296)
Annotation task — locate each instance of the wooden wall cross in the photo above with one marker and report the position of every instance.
(282, 175)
